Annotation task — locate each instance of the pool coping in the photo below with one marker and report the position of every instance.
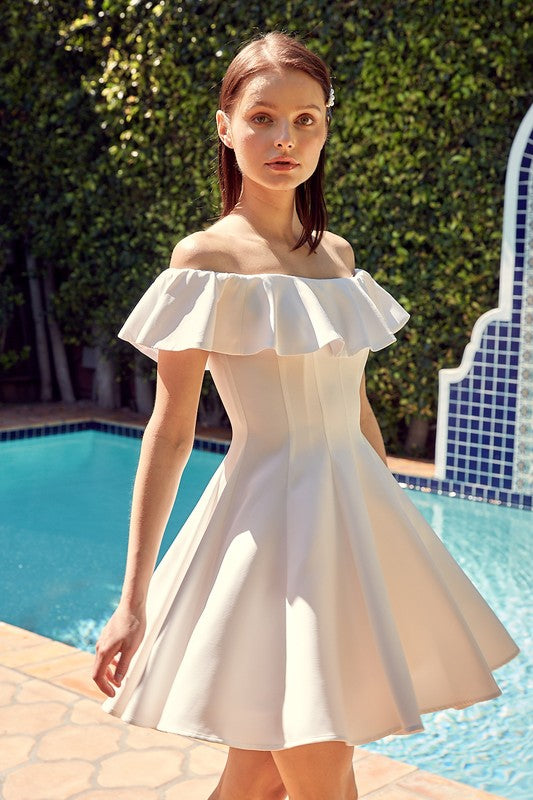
(56, 738)
(424, 482)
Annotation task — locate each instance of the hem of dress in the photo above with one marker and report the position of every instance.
(329, 737)
(326, 737)
(333, 737)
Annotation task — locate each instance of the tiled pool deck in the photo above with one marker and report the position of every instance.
(57, 744)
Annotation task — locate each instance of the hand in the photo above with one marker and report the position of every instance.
(122, 634)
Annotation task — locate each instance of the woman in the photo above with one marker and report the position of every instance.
(306, 606)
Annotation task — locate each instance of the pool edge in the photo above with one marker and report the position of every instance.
(204, 440)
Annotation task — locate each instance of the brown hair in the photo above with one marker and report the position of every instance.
(279, 51)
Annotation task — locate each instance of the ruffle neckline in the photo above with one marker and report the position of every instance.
(242, 314)
(246, 276)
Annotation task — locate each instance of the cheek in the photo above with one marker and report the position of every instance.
(248, 139)
(251, 140)
(243, 139)
(316, 140)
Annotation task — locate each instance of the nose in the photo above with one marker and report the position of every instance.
(284, 138)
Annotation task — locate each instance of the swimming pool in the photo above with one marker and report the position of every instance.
(64, 503)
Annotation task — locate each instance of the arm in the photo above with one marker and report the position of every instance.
(369, 424)
(166, 447)
(165, 450)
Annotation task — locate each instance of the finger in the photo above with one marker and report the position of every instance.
(101, 667)
(123, 665)
(105, 686)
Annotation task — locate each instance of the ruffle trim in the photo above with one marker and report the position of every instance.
(226, 312)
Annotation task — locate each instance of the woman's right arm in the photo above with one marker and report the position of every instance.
(166, 447)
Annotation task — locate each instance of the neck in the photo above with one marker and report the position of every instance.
(271, 214)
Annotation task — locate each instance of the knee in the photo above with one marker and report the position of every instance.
(263, 789)
(271, 791)
(275, 792)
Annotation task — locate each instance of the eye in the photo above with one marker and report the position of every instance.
(260, 118)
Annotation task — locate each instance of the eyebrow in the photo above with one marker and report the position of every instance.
(272, 105)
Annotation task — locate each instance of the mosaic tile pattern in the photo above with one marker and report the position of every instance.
(485, 438)
(465, 491)
(132, 431)
(523, 457)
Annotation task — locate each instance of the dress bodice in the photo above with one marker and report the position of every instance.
(286, 353)
(236, 314)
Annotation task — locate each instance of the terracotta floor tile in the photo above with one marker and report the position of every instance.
(377, 771)
(33, 654)
(14, 750)
(89, 742)
(80, 681)
(393, 792)
(86, 710)
(33, 718)
(196, 789)
(359, 754)
(435, 787)
(11, 637)
(12, 641)
(7, 690)
(59, 666)
(121, 794)
(216, 745)
(141, 738)
(151, 768)
(206, 761)
(58, 780)
(32, 691)
(11, 675)
(408, 466)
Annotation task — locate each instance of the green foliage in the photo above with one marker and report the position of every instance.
(108, 146)
(9, 300)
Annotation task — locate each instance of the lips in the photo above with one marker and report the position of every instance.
(287, 160)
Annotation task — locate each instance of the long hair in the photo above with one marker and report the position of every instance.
(275, 50)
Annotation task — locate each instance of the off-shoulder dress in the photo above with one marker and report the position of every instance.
(305, 599)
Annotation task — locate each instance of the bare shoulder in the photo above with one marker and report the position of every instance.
(205, 250)
(341, 248)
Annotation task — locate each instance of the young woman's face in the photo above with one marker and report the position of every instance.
(277, 128)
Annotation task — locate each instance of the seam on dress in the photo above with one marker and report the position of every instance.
(282, 364)
(390, 651)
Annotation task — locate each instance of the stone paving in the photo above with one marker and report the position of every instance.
(57, 744)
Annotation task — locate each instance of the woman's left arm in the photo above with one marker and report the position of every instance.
(369, 424)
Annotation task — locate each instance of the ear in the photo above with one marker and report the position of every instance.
(224, 128)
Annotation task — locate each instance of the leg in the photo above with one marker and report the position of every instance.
(321, 771)
(249, 775)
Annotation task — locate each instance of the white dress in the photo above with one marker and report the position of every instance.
(305, 599)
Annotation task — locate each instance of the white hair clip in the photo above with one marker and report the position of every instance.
(331, 99)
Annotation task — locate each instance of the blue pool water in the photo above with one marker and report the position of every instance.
(64, 507)
(65, 503)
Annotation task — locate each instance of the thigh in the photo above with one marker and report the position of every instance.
(321, 771)
(250, 774)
